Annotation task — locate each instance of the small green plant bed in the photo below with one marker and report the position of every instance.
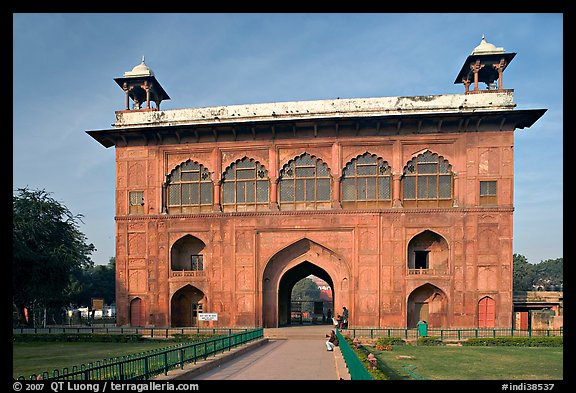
(441, 362)
(430, 341)
(555, 341)
(362, 354)
(105, 337)
(393, 340)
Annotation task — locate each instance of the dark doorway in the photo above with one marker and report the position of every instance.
(186, 303)
(421, 259)
(137, 312)
(285, 305)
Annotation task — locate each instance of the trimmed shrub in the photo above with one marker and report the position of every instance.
(429, 341)
(77, 337)
(191, 337)
(539, 341)
(387, 341)
(376, 373)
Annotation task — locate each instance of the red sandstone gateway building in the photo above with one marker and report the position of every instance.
(404, 205)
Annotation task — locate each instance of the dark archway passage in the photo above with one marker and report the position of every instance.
(293, 263)
(429, 303)
(186, 303)
(287, 282)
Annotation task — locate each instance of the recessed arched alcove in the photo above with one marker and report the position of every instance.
(428, 303)
(292, 263)
(185, 305)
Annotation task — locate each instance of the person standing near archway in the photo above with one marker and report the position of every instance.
(344, 324)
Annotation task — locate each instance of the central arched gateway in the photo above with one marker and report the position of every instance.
(293, 263)
(287, 282)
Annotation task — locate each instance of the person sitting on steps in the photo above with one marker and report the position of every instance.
(332, 341)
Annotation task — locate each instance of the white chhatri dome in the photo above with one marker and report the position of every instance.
(140, 70)
(486, 48)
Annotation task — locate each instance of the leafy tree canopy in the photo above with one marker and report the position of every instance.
(48, 248)
(306, 289)
(548, 274)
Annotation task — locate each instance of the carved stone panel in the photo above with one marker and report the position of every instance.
(137, 282)
(136, 244)
(487, 278)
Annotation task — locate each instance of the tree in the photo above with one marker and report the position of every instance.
(523, 273)
(97, 281)
(306, 289)
(548, 273)
(48, 248)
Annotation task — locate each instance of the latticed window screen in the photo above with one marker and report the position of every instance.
(136, 202)
(189, 188)
(427, 181)
(245, 183)
(488, 194)
(367, 181)
(196, 262)
(305, 182)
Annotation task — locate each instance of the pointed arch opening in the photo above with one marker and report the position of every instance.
(428, 254)
(486, 312)
(245, 186)
(305, 184)
(185, 305)
(187, 257)
(293, 263)
(427, 303)
(137, 312)
(189, 189)
(366, 183)
(427, 181)
(292, 309)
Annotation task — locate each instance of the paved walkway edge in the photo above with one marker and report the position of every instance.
(341, 367)
(191, 370)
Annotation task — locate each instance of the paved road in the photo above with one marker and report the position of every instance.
(277, 360)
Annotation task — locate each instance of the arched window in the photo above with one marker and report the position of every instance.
(304, 184)
(245, 186)
(189, 189)
(367, 182)
(427, 182)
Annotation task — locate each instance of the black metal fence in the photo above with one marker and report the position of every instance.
(451, 334)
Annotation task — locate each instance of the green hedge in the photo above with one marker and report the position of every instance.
(537, 341)
(190, 337)
(104, 337)
(362, 354)
(390, 341)
(429, 341)
(77, 337)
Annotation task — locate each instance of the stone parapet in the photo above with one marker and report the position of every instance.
(318, 109)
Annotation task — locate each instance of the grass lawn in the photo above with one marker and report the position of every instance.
(474, 363)
(36, 357)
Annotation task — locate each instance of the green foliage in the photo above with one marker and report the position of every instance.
(430, 341)
(192, 337)
(77, 337)
(98, 281)
(48, 248)
(390, 341)
(548, 273)
(377, 373)
(306, 289)
(539, 341)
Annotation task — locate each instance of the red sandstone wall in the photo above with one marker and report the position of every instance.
(364, 252)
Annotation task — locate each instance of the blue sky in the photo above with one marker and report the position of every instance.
(64, 65)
